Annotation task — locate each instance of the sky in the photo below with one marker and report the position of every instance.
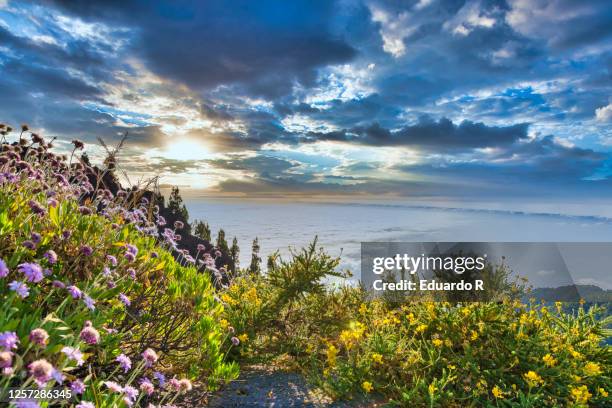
(424, 99)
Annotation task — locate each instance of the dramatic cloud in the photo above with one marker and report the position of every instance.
(428, 134)
(423, 98)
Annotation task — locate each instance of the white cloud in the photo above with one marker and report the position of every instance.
(341, 82)
(604, 114)
(302, 124)
(469, 17)
(422, 4)
(539, 18)
(393, 29)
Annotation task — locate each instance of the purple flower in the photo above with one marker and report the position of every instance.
(235, 341)
(90, 335)
(150, 357)
(6, 359)
(111, 259)
(111, 284)
(74, 354)
(201, 247)
(41, 370)
(85, 210)
(89, 302)
(74, 292)
(154, 254)
(51, 256)
(78, 387)
(86, 250)
(113, 386)
(20, 288)
(129, 257)
(147, 386)
(66, 234)
(106, 271)
(32, 271)
(58, 284)
(36, 207)
(178, 225)
(161, 379)
(58, 376)
(124, 299)
(85, 404)
(36, 237)
(130, 392)
(125, 362)
(132, 273)
(9, 340)
(29, 244)
(175, 384)
(39, 337)
(4, 270)
(131, 249)
(26, 404)
(52, 202)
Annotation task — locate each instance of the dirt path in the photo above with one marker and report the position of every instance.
(260, 386)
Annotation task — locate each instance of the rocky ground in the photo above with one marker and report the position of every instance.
(262, 386)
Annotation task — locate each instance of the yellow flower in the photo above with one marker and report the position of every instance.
(437, 342)
(474, 335)
(432, 389)
(228, 299)
(497, 392)
(332, 352)
(243, 337)
(363, 309)
(602, 392)
(411, 318)
(592, 369)
(224, 324)
(533, 379)
(580, 394)
(549, 360)
(367, 386)
(420, 328)
(451, 366)
(377, 358)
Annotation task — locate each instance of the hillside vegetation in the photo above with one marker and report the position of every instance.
(99, 298)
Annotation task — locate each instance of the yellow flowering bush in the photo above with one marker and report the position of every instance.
(416, 354)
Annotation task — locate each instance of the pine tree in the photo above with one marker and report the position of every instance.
(255, 267)
(178, 208)
(234, 253)
(202, 230)
(221, 242)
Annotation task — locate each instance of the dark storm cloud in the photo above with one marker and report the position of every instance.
(264, 46)
(432, 135)
(539, 160)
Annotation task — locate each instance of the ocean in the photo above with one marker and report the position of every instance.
(341, 227)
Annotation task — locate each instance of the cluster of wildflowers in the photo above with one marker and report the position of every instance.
(427, 353)
(77, 264)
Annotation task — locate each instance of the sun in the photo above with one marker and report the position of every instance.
(185, 149)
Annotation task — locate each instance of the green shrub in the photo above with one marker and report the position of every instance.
(89, 273)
